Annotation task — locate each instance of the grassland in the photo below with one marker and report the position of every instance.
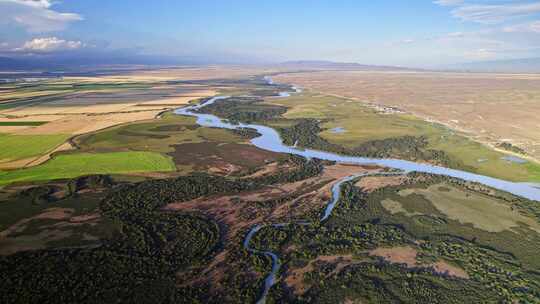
(156, 135)
(73, 165)
(15, 147)
(467, 207)
(362, 123)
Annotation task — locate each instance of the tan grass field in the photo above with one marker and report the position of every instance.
(489, 107)
(481, 211)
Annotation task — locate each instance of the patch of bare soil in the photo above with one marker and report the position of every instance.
(400, 255)
(294, 278)
(407, 255)
(447, 269)
(84, 218)
(222, 158)
(372, 183)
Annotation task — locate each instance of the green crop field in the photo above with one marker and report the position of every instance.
(14, 147)
(21, 123)
(73, 165)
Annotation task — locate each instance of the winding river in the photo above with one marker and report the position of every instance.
(336, 195)
(271, 141)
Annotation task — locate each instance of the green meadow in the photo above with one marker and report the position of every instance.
(15, 147)
(73, 165)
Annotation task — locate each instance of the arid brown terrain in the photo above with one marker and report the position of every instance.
(490, 107)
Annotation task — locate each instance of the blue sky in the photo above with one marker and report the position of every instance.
(408, 33)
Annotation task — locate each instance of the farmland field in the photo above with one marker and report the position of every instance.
(15, 147)
(73, 165)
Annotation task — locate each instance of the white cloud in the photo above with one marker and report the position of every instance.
(35, 15)
(481, 54)
(407, 41)
(4, 46)
(448, 2)
(494, 13)
(49, 44)
(518, 37)
(456, 34)
(531, 27)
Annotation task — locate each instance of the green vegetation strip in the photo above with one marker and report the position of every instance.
(73, 165)
(14, 147)
(21, 123)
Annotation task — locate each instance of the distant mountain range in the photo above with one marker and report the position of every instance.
(76, 63)
(526, 65)
(331, 65)
(93, 61)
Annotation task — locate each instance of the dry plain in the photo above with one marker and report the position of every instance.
(489, 107)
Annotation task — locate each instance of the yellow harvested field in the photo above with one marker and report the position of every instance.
(78, 116)
(6, 96)
(211, 72)
(180, 100)
(84, 123)
(182, 73)
(489, 107)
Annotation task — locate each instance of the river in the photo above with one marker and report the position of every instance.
(271, 141)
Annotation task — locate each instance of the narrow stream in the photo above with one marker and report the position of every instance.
(276, 265)
(270, 140)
